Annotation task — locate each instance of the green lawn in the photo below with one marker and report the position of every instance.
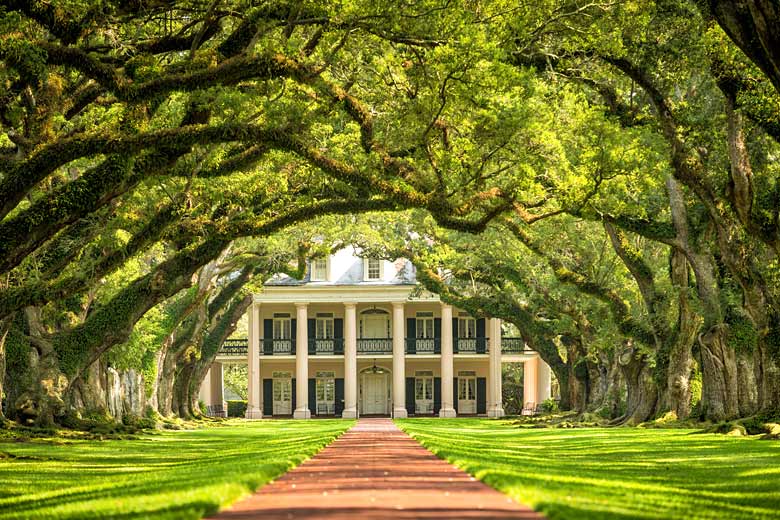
(613, 473)
(173, 474)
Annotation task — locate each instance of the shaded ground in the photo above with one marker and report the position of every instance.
(613, 472)
(175, 474)
(376, 471)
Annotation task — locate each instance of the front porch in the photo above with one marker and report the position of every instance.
(422, 388)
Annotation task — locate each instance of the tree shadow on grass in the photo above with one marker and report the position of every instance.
(173, 475)
(615, 472)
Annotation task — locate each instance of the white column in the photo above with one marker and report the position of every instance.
(447, 369)
(496, 404)
(399, 368)
(205, 388)
(217, 390)
(490, 394)
(543, 383)
(302, 363)
(350, 361)
(530, 373)
(254, 409)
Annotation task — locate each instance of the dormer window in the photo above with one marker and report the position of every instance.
(373, 268)
(319, 270)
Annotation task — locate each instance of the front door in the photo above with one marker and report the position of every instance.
(423, 393)
(374, 394)
(326, 393)
(467, 394)
(282, 395)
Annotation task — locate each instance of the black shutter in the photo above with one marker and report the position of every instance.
(311, 326)
(268, 335)
(410, 405)
(338, 335)
(455, 393)
(294, 395)
(455, 335)
(293, 335)
(481, 336)
(268, 397)
(436, 395)
(313, 396)
(437, 335)
(411, 335)
(339, 405)
(481, 395)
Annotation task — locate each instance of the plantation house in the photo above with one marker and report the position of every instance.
(359, 337)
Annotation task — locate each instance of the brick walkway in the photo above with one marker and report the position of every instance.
(376, 471)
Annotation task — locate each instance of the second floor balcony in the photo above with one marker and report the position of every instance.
(373, 346)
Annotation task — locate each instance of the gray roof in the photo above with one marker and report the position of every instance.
(350, 272)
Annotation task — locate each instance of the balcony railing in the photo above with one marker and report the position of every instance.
(514, 346)
(375, 346)
(335, 346)
(279, 347)
(423, 345)
(332, 346)
(234, 347)
(471, 345)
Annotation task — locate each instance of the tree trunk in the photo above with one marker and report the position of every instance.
(153, 403)
(747, 385)
(767, 370)
(577, 374)
(166, 373)
(125, 395)
(605, 386)
(642, 392)
(4, 327)
(719, 396)
(615, 388)
(35, 393)
(562, 375)
(183, 404)
(680, 362)
(88, 393)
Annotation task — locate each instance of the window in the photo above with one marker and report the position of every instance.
(282, 326)
(467, 328)
(425, 332)
(324, 328)
(424, 325)
(373, 269)
(319, 269)
(374, 323)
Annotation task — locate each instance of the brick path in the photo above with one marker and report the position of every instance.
(376, 471)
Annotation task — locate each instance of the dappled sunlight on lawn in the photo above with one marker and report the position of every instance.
(171, 474)
(613, 472)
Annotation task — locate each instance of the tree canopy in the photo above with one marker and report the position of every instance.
(601, 175)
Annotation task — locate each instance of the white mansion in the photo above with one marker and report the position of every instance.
(358, 337)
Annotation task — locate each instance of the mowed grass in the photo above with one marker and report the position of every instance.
(610, 473)
(172, 474)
